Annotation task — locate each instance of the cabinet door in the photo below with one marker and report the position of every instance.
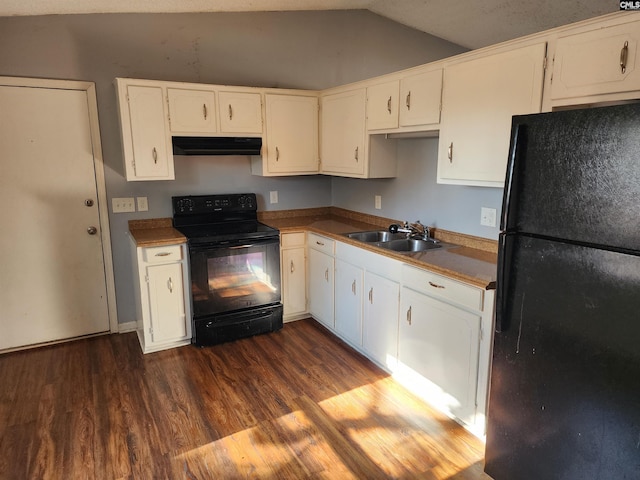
(151, 156)
(240, 112)
(192, 111)
(382, 105)
(597, 62)
(420, 96)
(348, 297)
(321, 282)
(440, 343)
(166, 302)
(293, 281)
(292, 134)
(342, 148)
(479, 98)
(380, 331)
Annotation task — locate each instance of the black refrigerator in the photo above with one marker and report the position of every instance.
(564, 399)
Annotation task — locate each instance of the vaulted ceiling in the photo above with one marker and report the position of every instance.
(469, 23)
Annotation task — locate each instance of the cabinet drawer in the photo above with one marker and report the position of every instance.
(292, 239)
(164, 254)
(442, 287)
(320, 243)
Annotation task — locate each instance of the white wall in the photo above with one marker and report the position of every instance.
(308, 50)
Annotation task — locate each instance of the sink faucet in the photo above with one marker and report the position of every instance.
(413, 230)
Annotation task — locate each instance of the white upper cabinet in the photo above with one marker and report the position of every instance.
(382, 105)
(146, 142)
(192, 111)
(343, 132)
(345, 147)
(420, 96)
(240, 112)
(596, 62)
(291, 136)
(478, 100)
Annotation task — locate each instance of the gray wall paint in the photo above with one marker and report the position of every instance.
(307, 50)
(415, 195)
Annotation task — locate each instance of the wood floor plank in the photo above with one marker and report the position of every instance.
(295, 404)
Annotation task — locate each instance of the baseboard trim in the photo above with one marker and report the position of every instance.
(127, 327)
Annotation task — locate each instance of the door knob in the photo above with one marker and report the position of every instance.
(88, 202)
(92, 230)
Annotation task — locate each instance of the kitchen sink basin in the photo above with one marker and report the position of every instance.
(409, 245)
(375, 236)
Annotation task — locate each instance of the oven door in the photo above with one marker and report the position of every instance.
(234, 276)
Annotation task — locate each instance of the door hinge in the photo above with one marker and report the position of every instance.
(146, 278)
(150, 330)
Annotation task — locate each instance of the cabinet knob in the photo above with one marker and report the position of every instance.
(92, 230)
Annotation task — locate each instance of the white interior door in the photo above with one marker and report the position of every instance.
(52, 284)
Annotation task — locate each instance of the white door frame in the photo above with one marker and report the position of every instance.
(98, 164)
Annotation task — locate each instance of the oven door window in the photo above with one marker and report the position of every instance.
(227, 278)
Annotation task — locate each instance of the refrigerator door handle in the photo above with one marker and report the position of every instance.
(501, 283)
(516, 150)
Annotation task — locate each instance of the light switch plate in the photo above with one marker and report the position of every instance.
(378, 202)
(273, 196)
(123, 205)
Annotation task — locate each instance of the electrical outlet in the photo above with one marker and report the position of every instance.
(143, 204)
(488, 217)
(378, 202)
(123, 205)
(273, 196)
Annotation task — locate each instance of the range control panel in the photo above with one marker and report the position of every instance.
(231, 204)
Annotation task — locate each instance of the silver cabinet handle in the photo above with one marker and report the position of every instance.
(319, 243)
(292, 268)
(435, 285)
(170, 285)
(230, 112)
(389, 105)
(408, 102)
(450, 152)
(92, 230)
(204, 110)
(356, 154)
(624, 54)
(326, 274)
(162, 254)
(154, 154)
(409, 316)
(353, 287)
(371, 296)
(277, 154)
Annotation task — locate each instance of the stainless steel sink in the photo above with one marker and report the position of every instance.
(375, 236)
(409, 245)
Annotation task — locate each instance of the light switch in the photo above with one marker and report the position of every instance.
(123, 205)
(143, 205)
(273, 196)
(488, 217)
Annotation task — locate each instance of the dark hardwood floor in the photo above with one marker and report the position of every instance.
(295, 404)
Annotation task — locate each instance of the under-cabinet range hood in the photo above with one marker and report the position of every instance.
(216, 145)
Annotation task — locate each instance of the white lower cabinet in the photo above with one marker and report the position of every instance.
(162, 301)
(380, 329)
(438, 350)
(321, 265)
(424, 328)
(294, 275)
(348, 295)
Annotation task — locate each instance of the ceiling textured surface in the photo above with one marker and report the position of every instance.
(469, 23)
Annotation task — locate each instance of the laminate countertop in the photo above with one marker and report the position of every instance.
(469, 259)
(155, 232)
